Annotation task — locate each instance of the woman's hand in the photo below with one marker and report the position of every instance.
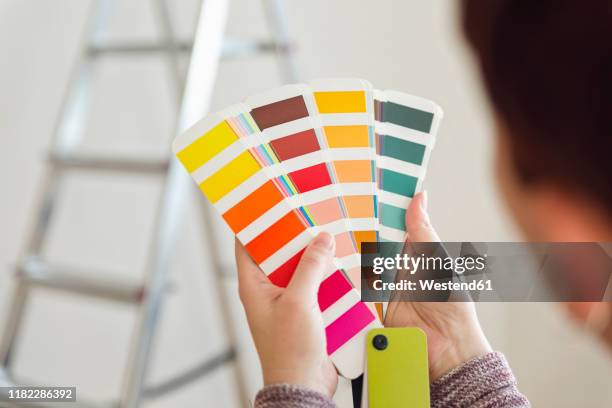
(453, 332)
(286, 323)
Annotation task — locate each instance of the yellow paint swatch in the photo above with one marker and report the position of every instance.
(347, 136)
(229, 176)
(207, 146)
(340, 102)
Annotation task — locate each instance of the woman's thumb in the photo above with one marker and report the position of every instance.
(316, 260)
(418, 226)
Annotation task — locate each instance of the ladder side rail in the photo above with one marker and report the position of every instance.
(274, 16)
(66, 130)
(276, 21)
(195, 103)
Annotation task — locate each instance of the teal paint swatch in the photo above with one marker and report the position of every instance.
(407, 117)
(402, 149)
(398, 183)
(393, 217)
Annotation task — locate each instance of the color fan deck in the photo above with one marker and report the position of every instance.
(334, 155)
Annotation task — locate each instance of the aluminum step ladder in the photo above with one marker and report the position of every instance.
(193, 93)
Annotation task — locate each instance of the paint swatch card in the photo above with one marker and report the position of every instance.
(344, 112)
(406, 128)
(332, 156)
(294, 140)
(224, 155)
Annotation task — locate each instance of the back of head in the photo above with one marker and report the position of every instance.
(547, 66)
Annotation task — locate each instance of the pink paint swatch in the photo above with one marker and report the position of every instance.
(325, 211)
(344, 245)
(346, 326)
(332, 289)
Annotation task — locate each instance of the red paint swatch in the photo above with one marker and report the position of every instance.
(332, 289)
(275, 237)
(282, 275)
(346, 326)
(310, 178)
(295, 145)
(280, 112)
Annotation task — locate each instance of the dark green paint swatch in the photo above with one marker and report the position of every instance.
(393, 217)
(402, 149)
(407, 117)
(398, 183)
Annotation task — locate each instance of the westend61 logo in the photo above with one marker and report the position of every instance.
(422, 262)
(424, 269)
(408, 265)
(486, 271)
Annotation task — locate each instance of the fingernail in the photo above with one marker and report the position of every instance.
(324, 240)
(424, 201)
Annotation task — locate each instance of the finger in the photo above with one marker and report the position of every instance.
(250, 276)
(316, 260)
(418, 226)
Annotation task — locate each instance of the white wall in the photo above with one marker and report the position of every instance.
(102, 223)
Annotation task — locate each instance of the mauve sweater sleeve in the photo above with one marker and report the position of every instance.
(483, 382)
(291, 396)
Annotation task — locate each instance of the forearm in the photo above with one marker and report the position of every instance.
(291, 396)
(483, 382)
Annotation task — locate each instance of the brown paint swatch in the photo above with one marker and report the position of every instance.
(280, 112)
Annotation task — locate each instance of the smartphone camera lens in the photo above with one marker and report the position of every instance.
(380, 342)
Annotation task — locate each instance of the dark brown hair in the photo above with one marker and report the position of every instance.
(547, 67)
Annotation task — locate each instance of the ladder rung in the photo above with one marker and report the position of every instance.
(136, 48)
(244, 48)
(93, 163)
(93, 284)
(200, 370)
(231, 48)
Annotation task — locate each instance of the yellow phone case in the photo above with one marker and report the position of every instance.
(397, 368)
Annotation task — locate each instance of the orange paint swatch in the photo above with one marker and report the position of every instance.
(252, 206)
(359, 206)
(364, 236)
(353, 171)
(275, 237)
(347, 136)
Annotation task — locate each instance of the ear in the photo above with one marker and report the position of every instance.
(560, 215)
(581, 311)
(594, 315)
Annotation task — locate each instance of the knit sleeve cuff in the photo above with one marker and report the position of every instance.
(484, 382)
(291, 396)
